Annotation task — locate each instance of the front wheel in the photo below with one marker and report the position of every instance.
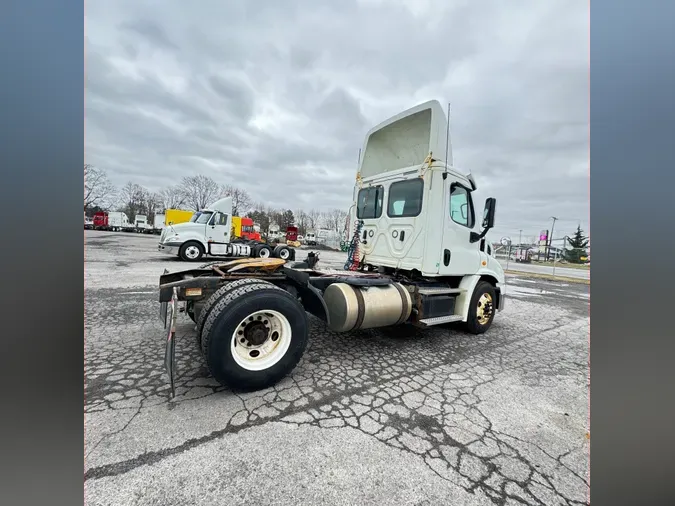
(191, 251)
(481, 308)
(254, 336)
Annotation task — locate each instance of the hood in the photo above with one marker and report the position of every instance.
(183, 226)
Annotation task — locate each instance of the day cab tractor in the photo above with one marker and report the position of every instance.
(292, 237)
(209, 232)
(415, 259)
(243, 228)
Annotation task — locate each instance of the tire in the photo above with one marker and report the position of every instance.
(483, 294)
(219, 294)
(244, 322)
(262, 251)
(282, 252)
(191, 251)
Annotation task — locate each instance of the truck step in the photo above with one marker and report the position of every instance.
(441, 290)
(428, 322)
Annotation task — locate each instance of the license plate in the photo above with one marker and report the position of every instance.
(170, 347)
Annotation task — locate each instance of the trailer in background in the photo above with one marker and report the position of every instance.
(176, 216)
(158, 223)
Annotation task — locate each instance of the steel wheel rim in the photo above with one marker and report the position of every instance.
(284, 254)
(484, 309)
(264, 253)
(192, 252)
(261, 340)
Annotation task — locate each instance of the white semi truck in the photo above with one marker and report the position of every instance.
(209, 233)
(418, 257)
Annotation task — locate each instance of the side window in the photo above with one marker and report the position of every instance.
(461, 208)
(218, 219)
(369, 203)
(405, 198)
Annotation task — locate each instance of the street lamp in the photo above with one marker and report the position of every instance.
(506, 241)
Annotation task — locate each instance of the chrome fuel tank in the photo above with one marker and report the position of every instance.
(354, 307)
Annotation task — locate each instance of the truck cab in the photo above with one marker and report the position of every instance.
(417, 210)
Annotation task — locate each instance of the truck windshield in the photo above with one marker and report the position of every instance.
(369, 203)
(194, 217)
(203, 217)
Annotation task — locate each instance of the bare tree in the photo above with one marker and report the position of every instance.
(241, 200)
(199, 191)
(313, 219)
(171, 197)
(98, 190)
(335, 220)
(135, 199)
(301, 219)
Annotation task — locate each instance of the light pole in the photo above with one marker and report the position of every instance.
(550, 241)
(506, 241)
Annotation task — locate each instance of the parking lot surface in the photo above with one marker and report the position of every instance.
(441, 417)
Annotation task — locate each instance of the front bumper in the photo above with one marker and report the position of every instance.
(168, 248)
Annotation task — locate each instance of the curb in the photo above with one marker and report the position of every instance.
(549, 277)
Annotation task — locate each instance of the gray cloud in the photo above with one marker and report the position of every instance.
(276, 96)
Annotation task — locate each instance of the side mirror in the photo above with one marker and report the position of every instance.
(489, 213)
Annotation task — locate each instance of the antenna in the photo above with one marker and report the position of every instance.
(359, 160)
(447, 140)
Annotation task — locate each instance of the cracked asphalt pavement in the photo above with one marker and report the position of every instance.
(441, 417)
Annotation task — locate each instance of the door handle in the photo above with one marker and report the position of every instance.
(402, 235)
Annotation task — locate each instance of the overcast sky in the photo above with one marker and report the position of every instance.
(276, 96)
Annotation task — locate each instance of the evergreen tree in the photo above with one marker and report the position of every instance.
(578, 243)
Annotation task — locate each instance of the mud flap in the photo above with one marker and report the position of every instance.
(170, 313)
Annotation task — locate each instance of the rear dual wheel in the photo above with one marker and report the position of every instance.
(253, 335)
(265, 251)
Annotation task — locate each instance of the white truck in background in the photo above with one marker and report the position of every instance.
(310, 238)
(118, 221)
(209, 232)
(141, 224)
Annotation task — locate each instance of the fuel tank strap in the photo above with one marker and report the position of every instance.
(361, 308)
(404, 304)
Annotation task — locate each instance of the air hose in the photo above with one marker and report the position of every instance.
(353, 255)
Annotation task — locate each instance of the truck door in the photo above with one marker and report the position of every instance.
(459, 256)
(394, 227)
(218, 228)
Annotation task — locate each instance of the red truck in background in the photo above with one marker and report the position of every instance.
(101, 221)
(248, 230)
(243, 228)
(292, 234)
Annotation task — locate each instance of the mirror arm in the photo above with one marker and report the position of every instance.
(477, 237)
